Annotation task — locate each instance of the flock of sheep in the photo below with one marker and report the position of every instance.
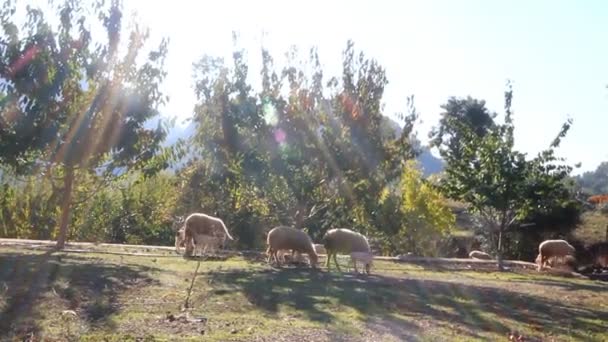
(550, 253)
(201, 233)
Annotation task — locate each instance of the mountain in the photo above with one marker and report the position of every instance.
(428, 162)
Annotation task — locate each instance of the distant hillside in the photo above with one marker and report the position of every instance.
(428, 162)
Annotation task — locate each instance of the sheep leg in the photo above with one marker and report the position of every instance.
(336, 262)
(327, 262)
(355, 265)
(277, 259)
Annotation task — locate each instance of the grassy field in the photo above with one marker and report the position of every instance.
(592, 227)
(101, 297)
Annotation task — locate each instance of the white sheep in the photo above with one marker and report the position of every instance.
(320, 249)
(480, 255)
(553, 248)
(363, 257)
(346, 241)
(288, 238)
(202, 224)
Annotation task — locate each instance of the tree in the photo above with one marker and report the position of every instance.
(499, 183)
(414, 215)
(595, 182)
(466, 111)
(73, 103)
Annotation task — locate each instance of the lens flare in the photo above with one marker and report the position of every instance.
(270, 114)
(280, 136)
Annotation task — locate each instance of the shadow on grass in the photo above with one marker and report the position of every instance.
(469, 308)
(80, 284)
(566, 284)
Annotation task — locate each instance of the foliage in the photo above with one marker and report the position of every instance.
(300, 151)
(133, 209)
(423, 219)
(595, 182)
(499, 183)
(73, 103)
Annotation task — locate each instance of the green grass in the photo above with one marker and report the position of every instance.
(128, 298)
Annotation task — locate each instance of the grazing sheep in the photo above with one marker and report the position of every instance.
(342, 240)
(210, 243)
(288, 238)
(180, 239)
(480, 255)
(202, 224)
(363, 257)
(202, 242)
(294, 256)
(567, 262)
(320, 249)
(553, 248)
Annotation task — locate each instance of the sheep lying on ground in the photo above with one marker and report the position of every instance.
(363, 257)
(553, 248)
(207, 228)
(288, 238)
(479, 255)
(567, 262)
(344, 241)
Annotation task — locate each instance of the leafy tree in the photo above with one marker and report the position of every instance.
(418, 209)
(74, 104)
(595, 182)
(466, 111)
(499, 183)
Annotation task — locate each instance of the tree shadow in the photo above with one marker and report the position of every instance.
(566, 285)
(87, 287)
(474, 309)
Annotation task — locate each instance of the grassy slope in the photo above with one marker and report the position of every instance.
(592, 227)
(120, 298)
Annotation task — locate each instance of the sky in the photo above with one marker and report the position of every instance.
(553, 51)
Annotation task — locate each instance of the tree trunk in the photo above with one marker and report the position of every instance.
(499, 250)
(66, 201)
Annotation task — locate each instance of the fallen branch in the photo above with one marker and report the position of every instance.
(187, 303)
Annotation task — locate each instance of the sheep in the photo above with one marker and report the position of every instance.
(294, 256)
(553, 248)
(479, 255)
(180, 239)
(320, 249)
(209, 242)
(202, 242)
(364, 257)
(289, 238)
(567, 261)
(202, 224)
(342, 240)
